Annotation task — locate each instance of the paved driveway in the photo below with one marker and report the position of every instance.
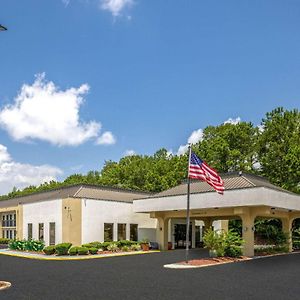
(142, 277)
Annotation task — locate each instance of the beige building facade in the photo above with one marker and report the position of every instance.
(246, 197)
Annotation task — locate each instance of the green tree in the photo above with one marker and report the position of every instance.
(229, 147)
(279, 148)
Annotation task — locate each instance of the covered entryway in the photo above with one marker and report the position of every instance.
(246, 197)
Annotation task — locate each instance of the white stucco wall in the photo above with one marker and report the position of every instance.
(43, 212)
(97, 212)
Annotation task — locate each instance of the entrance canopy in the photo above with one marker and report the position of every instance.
(246, 197)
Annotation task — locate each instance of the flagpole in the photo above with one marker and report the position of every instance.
(187, 240)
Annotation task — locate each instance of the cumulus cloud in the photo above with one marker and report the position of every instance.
(107, 138)
(15, 174)
(233, 121)
(129, 153)
(194, 138)
(44, 112)
(115, 7)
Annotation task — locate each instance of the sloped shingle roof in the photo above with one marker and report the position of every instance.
(232, 181)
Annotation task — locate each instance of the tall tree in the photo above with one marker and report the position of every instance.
(229, 147)
(279, 148)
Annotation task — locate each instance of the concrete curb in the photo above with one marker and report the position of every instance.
(181, 266)
(7, 285)
(66, 258)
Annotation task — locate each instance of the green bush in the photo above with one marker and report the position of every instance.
(125, 248)
(105, 245)
(82, 250)
(73, 250)
(93, 250)
(135, 247)
(113, 247)
(34, 245)
(16, 245)
(49, 250)
(123, 243)
(233, 243)
(97, 245)
(24, 245)
(4, 241)
(223, 243)
(62, 249)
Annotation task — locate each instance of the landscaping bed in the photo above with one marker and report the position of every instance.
(67, 249)
(213, 261)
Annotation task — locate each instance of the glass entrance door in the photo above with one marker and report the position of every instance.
(180, 236)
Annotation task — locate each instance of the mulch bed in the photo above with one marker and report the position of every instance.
(213, 261)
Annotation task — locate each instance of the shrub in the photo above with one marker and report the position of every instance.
(73, 250)
(62, 249)
(105, 245)
(233, 243)
(223, 243)
(135, 247)
(113, 247)
(49, 250)
(24, 245)
(4, 241)
(82, 250)
(93, 245)
(123, 243)
(125, 248)
(93, 250)
(16, 245)
(34, 245)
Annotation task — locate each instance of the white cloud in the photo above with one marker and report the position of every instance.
(194, 138)
(65, 2)
(233, 121)
(15, 174)
(107, 138)
(42, 111)
(130, 153)
(115, 7)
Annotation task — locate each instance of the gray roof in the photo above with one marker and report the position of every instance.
(232, 181)
(78, 191)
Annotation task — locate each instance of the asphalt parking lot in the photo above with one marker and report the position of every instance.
(143, 277)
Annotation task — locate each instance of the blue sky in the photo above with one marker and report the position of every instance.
(102, 77)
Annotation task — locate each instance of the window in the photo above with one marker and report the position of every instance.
(108, 232)
(29, 231)
(133, 232)
(121, 232)
(52, 233)
(41, 231)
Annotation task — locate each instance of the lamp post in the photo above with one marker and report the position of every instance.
(2, 28)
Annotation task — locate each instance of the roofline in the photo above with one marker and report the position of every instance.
(228, 190)
(100, 187)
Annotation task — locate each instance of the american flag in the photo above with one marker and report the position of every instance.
(200, 170)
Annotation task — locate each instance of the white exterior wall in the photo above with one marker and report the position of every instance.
(97, 212)
(43, 212)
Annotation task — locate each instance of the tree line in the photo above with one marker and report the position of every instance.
(271, 149)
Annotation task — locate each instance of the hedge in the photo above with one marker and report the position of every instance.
(62, 249)
(4, 241)
(49, 250)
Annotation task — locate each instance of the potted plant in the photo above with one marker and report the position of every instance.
(145, 244)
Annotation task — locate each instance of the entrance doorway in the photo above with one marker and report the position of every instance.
(180, 236)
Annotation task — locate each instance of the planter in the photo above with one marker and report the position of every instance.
(213, 253)
(169, 245)
(145, 246)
